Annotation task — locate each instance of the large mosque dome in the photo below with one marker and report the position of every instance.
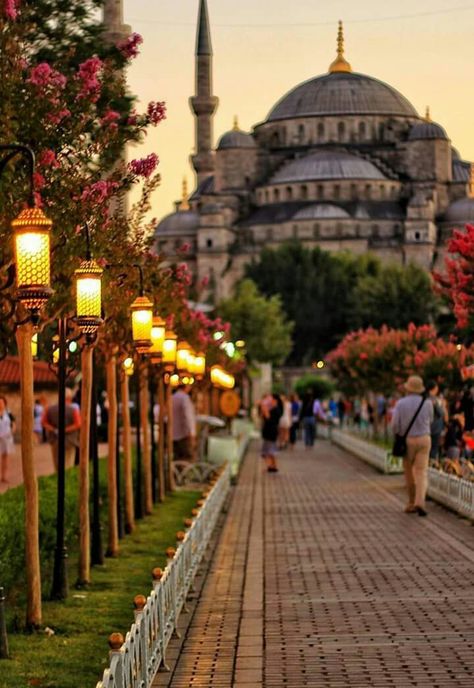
(342, 93)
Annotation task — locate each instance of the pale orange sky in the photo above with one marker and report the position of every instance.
(263, 48)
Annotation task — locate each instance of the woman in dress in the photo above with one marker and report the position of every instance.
(6, 439)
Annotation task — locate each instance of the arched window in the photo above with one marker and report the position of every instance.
(295, 231)
(320, 191)
(266, 196)
(375, 231)
(316, 230)
(353, 191)
(301, 133)
(209, 243)
(304, 192)
(362, 130)
(320, 130)
(289, 193)
(337, 191)
(368, 191)
(275, 139)
(382, 192)
(417, 236)
(269, 234)
(341, 130)
(276, 195)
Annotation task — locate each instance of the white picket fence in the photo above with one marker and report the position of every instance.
(449, 490)
(135, 663)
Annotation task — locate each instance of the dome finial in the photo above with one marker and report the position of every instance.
(427, 114)
(184, 205)
(235, 126)
(340, 64)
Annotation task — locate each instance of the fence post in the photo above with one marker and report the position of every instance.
(116, 641)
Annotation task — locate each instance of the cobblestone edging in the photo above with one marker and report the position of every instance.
(453, 492)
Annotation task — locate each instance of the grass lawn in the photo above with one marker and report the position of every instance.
(76, 655)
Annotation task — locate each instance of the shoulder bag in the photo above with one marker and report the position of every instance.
(400, 441)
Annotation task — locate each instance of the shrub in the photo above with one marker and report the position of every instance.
(321, 387)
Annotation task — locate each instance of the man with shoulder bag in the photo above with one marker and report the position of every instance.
(411, 424)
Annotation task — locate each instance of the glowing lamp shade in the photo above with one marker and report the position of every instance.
(158, 331)
(128, 366)
(88, 296)
(142, 321)
(221, 379)
(191, 362)
(32, 237)
(182, 356)
(199, 365)
(169, 350)
(34, 345)
(174, 380)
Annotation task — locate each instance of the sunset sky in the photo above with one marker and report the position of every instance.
(263, 48)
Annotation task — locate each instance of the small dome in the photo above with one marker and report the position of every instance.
(460, 211)
(327, 165)
(181, 223)
(321, 211)
(236, 139)
(427, 130)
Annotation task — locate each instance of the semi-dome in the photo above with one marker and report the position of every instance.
(342, 93)
(321, 211)
(236, 139)
(427, 130)
(460, 211)
(179, 223)
(327, 165)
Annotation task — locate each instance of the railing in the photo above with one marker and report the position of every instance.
(134, 662)
(455, 493)
(380, 458)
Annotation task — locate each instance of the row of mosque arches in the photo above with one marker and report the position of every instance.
(328, 191)
(329, 130)
(327, 230)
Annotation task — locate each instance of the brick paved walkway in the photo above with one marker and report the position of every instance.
(320, 580)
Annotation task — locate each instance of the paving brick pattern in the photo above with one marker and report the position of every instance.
(319, 579)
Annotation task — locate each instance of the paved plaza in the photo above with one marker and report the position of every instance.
(319, 579)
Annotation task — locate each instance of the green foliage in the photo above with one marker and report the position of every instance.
(327, 295)
(321, 387)
(77, 653)
(259, 321)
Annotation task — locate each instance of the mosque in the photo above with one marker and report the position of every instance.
(343, 161)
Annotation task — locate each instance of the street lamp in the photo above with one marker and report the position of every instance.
(199, 365)
(158, 331)
(155, 353)
(89, 297)
(169, 351)
(142, 322)
(182, 357)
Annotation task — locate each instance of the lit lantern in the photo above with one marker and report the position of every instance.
(142, 321)
(128, 366)
(169, 351)
(89, 296)
(56, 355)
(157, 340)
(32, 237)
(182, 356)
(216, 375)
(174, 380)
(191, 362)
(34, 345)
(199, 365)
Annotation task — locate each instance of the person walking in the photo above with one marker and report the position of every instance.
(73, 423)
(438, 424)
(38, 412)
(295, 419)
(308, 420)
(6, 439)
(271, 414)
(184, 425)
(284, 423)
(413, 415)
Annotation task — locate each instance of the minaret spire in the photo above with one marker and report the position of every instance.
(203, 103)
(340, 64)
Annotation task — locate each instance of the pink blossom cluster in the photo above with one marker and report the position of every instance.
(10, 9)
(89, 78)
(184, 248)
(144, 167)
(44, 76)
(58, 116)
(129, 47)
(47, 158)
(99, 192)
(156, 112)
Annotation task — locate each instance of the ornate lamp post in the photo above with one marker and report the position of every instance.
(155, 353)
(31, 231)
(169, 363)
(142, 323)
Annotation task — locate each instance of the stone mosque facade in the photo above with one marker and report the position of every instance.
(343, 161)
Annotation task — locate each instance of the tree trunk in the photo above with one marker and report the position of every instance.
(84, 458)
(113, 540)
(127, 453)
(161, 440)
(32, 558)
(169, 438)
(145, 424)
